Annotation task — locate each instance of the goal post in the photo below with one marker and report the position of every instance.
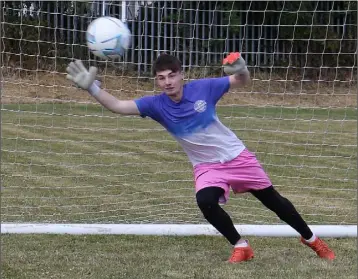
(71, 167)
(173, 229)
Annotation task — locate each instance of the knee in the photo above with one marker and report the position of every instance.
(280, 201)
(206, 204)
(273, 199)
(208, 199)
(281, 206)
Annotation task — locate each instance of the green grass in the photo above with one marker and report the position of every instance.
(142, 257)
(79, 163)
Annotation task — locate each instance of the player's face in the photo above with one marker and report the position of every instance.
(170, 82)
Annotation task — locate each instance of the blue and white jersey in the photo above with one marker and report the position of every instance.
(193, 121)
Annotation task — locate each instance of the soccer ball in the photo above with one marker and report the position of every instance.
(108, 37)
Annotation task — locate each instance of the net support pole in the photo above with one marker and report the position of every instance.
(124, 11)
(104, 8)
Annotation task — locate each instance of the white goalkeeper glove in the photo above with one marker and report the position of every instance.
(235, 64)
(83, 78)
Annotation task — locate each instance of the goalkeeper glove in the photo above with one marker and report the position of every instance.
(234, 64)
(83, 78)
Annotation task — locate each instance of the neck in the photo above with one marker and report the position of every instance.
(177, 96)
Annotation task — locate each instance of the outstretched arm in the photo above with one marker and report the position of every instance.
(85, 79)
(235, 67)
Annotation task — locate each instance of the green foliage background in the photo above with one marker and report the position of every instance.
(309, 32)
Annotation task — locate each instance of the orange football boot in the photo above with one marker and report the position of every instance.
(241, 254)
(321, 248)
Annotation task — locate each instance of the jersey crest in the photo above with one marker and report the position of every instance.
(200, 106)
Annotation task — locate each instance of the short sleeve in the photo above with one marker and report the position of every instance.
(218, 87)
(146, 106)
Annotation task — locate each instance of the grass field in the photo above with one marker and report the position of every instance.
(97, 257)
(79, 163)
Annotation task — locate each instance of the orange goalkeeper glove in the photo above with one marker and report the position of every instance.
(234, 64)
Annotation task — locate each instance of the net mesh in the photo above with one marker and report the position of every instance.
(67, 159)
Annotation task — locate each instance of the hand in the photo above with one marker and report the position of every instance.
(82, 77)
(235, 64)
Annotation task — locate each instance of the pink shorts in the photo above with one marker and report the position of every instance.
(242, 174)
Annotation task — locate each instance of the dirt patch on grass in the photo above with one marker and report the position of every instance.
(54, 88)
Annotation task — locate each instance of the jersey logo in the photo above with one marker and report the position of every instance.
(200, 106)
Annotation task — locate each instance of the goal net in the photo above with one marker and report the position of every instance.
(71, 166)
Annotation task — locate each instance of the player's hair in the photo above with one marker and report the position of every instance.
(166, 62)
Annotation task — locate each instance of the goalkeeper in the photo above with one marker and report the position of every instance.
(220, 160)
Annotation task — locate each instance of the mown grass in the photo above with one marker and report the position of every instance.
(142, 257)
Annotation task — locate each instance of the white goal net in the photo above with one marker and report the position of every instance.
(66, 160)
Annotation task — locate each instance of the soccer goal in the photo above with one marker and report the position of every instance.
(71, 167)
